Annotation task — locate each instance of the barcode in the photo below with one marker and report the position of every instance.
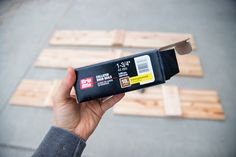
(142, 65)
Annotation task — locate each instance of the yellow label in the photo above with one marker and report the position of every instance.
(141, 78)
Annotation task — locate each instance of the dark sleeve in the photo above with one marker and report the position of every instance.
(60, 143)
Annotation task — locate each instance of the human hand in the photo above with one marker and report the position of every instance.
(80, 119)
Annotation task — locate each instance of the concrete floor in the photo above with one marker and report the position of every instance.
(25, 27)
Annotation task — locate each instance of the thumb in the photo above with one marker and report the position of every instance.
(67, 83)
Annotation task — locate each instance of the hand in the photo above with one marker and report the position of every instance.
(80, 119)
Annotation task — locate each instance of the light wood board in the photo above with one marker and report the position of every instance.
(171, 100)
(64, 58)
(189, 65)
(35, 93)
(31, 93)
(199, 104)
(202, 104)
(118, 38)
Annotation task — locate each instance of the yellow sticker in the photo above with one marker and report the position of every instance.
(141, 78)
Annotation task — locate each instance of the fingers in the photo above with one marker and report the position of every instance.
(64, 89)
(72, 92)
(111, 101)
(104, 99)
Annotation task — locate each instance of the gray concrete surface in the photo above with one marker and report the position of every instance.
(25, 27)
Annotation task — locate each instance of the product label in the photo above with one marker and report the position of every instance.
(137, 70)
(144, 69)
(86, 83)
(143, 78)
(125, 82)
(119, 75)
(104, 79)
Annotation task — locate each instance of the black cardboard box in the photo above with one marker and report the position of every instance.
(125, 74)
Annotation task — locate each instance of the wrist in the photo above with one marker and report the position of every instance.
(81, 133)
(76, 131)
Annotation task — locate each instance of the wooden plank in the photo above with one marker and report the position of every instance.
(139, 108)
(37, 93)
(155, 39)
(189, 65)
(202, 110)
(171, 100)
(60, 58)
(197, 104)
(200, 104)
(82, 38)
(118, 38)
(52, 91)
(31, 93)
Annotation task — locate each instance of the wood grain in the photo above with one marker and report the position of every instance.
(189, 65)
(171, 100)
(63, 58)
(199, 104)
(32, 93)
(118, 38)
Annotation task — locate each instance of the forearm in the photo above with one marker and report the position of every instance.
(59, 142)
